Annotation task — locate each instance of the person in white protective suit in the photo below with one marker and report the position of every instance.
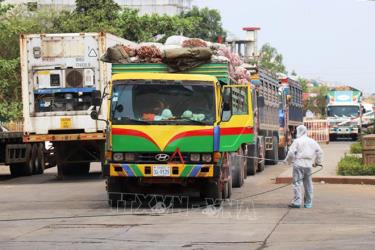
(304, 153)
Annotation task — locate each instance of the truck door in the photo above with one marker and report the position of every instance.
(237, 120)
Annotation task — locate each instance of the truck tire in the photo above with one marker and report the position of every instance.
(230, 186)
(243, 161)
(34, 158)
(262, 155)
(282, 153)
(211, 192)
(237, 170)
(273, 155)
(40, 158)
(252, 163)
(16, 170)
(27, 167)
(114, 190)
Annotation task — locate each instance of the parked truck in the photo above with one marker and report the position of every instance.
(171, 128)
(275, 121)
(61, 75)
(343, 112)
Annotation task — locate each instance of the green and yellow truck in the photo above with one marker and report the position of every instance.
(187, 129)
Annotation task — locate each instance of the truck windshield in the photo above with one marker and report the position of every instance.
(343, 111)
(163, 102)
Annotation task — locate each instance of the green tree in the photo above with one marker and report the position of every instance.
(270, 59)
(208, 25)
(102, 9)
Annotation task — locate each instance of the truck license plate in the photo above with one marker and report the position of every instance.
(65, 122)
(161, 171)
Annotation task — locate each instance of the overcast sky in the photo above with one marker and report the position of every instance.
(331, 40)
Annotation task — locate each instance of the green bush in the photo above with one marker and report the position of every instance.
(356, 148)
(352, 165)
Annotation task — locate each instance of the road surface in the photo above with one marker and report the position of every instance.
(40, 212)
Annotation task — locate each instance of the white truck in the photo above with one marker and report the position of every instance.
(61, 75)
(344, 112)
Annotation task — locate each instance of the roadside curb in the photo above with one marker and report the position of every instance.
(365, 180)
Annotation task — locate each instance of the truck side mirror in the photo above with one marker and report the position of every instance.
(96, 98)
(261, 102)
(94, 115)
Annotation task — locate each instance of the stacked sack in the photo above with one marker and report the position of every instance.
(180, 54)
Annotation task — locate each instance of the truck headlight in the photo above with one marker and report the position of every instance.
(195, 157)
(129, 157)
(118, 156)
(206, 157)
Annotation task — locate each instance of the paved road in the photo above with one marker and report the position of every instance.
(40, 212)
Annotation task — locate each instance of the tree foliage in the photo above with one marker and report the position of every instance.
(271, 59)
(208, 25)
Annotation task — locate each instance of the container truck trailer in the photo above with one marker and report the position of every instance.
(61, 75)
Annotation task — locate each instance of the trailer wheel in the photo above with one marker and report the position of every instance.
(28, 166)
(252, 163)
(40, 159)
(237, 170)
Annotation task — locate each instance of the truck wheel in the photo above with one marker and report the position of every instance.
(282, 153)
(273, 155)
(16, 170)
(40, 159)
(28, 166)
(34, 158)
(262, 155)
(354, 137)
(229, 192)
(252, 163)
(243, 161)
(212, 193)
(114, 190)
(237, 170)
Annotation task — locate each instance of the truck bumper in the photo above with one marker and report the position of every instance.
(343, 131)
(164, 170)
